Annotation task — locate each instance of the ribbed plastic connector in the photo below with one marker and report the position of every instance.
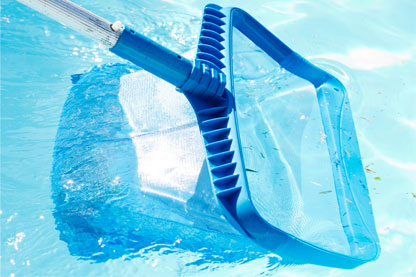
(207, 81)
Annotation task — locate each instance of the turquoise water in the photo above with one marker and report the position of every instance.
(371, 46)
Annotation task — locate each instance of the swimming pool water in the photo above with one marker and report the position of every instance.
(371, 46)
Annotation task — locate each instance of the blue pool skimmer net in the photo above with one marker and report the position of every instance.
(210, 85)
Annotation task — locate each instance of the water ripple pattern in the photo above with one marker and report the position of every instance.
(370, 47)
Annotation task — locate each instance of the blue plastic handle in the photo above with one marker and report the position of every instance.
(153, 57)
(199, 79)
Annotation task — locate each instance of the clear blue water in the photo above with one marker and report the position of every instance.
(372, 46)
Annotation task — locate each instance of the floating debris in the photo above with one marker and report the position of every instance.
(317, 184)
(251, 170)
(366, 119)
(325, 192)
(248, 147)
(348, 153)
(261, 154)
(377, 178)
(414, 194)
(348, 200)
(369, 170)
